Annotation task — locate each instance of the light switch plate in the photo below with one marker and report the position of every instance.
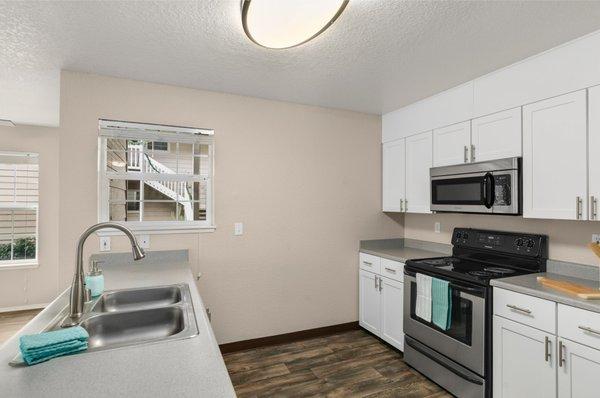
(105, 243)
(144, 241)
(596, 238)
(437, 227)
(238, 228)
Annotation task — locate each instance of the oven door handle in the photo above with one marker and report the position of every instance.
(488, 190)
(478, 292)
(436, 360)
(465, 289)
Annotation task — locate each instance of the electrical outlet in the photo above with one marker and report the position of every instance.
(144, 241)
(105, 243)
(437, 227)
(596, 238)
(238, 228)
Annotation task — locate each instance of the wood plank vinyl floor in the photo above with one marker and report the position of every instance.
(350, 364)
(12, 322)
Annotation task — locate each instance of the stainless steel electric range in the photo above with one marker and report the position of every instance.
(460, 358)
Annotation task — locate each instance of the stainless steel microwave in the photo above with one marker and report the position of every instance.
(491, 187)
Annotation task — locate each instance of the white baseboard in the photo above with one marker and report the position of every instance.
(23, 307)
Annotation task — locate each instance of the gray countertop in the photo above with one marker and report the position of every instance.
(403, 249)
(192, 367)
(528, 284)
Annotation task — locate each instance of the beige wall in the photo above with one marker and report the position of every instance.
(568, 239)
(305, 181)
(34, 286)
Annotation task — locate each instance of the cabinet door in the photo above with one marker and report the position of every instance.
(496, 136)
(369, 305)
(392, 325)
(524, 361)
(394, 175)
(578, 373)
(418, 162)
(451, 144)
(554, 158)
(594, 151)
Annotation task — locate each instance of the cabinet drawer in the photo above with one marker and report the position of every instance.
(579, 325)
(369, 262)
(528, 310)
(392, 269)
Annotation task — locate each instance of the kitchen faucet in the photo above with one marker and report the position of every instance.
(77, 298)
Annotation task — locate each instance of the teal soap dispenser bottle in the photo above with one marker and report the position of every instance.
(95, 279)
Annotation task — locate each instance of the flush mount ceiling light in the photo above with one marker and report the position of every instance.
(288, 23)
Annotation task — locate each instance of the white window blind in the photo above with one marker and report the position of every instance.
(19, 175)
(155, 177)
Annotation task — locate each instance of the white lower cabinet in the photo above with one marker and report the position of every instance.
(578, 371)
(563, 362)
(524, 365)
(392, 323)
(369, 302)
(381, 306)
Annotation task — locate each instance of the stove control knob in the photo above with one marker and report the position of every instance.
(458, 235)
(519, 242)
(466, 236)
(530, 243)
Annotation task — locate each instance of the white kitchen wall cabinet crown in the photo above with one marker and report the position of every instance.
(594, 151)
(419, 159)
(496, 136)
(555, 158)
(394, 175)
(452, 144)
(381, 297)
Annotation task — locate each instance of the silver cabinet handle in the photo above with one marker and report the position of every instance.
(589, 330)
(380, 284)
(514, 307)
(593, 207)
(402, 209)
(376, 285)
(466, 154)
(578, 203)
(561, 359)
(547, 354)
(472, 153)
(405, 205)
(393, 271)
(367, 263)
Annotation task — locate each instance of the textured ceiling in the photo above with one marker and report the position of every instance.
(379, 55)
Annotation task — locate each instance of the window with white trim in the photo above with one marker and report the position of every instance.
(155, 177)
(19, 175)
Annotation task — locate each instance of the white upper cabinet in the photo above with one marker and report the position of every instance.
(496, 136)
(448, 107)
(594, 151)
(418, 162)
(563, 69)
(452, 144)
(554, 158)
(394, 175)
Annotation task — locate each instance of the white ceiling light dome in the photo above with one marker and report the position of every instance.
(288, 23)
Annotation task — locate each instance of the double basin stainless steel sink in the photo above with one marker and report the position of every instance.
(130, 317)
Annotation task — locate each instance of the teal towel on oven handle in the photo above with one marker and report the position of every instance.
(441, 303)
(36, 348)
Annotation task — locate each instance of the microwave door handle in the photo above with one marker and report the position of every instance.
(488, 190)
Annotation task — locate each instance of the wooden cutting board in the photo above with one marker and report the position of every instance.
(581, 291)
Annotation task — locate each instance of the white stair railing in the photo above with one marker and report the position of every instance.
(176, 190)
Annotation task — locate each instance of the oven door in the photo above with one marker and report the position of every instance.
(464, 341)
(463, 193)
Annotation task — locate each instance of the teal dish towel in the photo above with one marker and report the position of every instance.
(441, 303)
(36, 348)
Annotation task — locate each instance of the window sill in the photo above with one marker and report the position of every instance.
(158, 229)
(19, 265)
